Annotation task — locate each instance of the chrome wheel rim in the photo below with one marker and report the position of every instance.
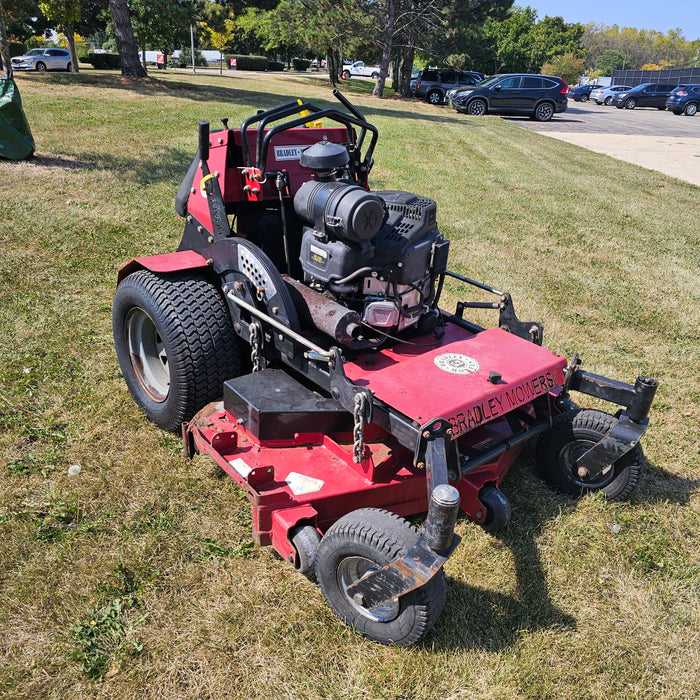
(352, 569)
(148, 356)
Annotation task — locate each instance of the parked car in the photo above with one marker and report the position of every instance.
(645, 95)
(685, 99)
(433, 83)
(605, 95)
(582, 93)
(42, 60)
(537, 96)
(359, 69)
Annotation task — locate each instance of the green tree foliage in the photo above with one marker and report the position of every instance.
(523, 44)
(220, 40)
(567, 66)
(608, 61)
(23, 19)
(161, 25)
(637, 47)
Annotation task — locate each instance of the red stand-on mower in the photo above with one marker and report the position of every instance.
(296, 338)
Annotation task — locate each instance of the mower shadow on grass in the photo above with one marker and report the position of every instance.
(483, 618)
(662, 486)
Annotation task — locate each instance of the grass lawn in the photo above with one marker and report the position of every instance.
(138, 577)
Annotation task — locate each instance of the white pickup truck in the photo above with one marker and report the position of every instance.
(360, 69)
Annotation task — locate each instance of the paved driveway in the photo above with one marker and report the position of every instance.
(648, 137)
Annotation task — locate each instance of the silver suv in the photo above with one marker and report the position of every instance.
(43, 60)
(432, 83)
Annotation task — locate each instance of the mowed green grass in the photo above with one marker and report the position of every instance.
(138, 578)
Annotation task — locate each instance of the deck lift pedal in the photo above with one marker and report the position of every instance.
(295, 337)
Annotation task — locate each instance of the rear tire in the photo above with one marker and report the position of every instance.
(572, 434)
(362, 541)
(690, 109)
(544, 112)
(584, 98)
(346, 75)
(175, 343)
(434, 97)
(375, 76)
(608, 101)
(69, 67)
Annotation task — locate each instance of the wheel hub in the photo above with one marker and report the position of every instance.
(352, 569)
(571, 453)
(148, 356)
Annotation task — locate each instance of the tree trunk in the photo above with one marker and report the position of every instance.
(126, 44)
(386, 52)
(406, 71)
(334, 62)
(69, 33)
(4, 44)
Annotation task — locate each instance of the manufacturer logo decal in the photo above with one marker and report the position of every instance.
(455, 363)
(289, 152)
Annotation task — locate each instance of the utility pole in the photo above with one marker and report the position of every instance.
(192, 46)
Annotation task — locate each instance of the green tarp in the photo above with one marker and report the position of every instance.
(16, 140)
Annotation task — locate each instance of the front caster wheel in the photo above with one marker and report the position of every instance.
(574, 433)
(365, 540)
(175, 343)
(305, 540)
(498, 510)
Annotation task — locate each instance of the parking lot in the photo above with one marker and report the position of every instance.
(654, 139)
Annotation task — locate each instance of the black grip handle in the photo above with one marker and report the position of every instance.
(204, 140)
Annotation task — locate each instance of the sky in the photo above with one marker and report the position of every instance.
(660, 15)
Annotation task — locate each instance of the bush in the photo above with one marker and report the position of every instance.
(275, 65)
(250, 62)
(103, 61)
(17, 48)
(184, 60)
(300, 64)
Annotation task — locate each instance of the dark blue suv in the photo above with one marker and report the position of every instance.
(583, 92)
(685, 99)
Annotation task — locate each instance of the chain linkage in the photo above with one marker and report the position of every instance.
(358, 432)
(255, 356)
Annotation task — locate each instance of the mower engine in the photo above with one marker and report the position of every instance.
(377, 253)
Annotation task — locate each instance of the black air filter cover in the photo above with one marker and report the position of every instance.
(324, 156)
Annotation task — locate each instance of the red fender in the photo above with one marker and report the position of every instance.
(168, 262)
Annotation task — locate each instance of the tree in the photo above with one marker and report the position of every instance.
(126, 44)
(4, 43)
(220, 40)
(66, 14)
(637, 47)
(567, 66)
(161, 24)
(608, 61)
(524, 44)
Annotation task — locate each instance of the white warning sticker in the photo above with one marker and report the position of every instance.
(241, 467)
(301, 484)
